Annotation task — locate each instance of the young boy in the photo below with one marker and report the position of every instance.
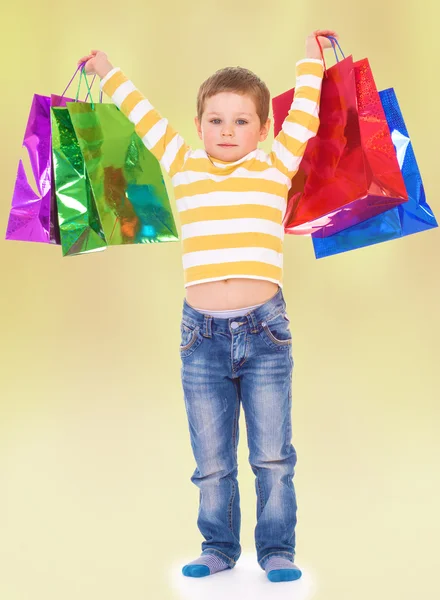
(236, 345)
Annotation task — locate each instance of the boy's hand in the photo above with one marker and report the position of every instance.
(96, 63)
(312, 47)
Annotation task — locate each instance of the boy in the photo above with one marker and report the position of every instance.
(231, 197)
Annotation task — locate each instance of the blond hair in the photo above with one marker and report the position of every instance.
(238, 80)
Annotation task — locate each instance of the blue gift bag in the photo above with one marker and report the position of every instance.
(410, 217)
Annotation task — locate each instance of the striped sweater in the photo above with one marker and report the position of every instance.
(231, 213)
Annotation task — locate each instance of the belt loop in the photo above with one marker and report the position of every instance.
(253, 323)
(207, 332)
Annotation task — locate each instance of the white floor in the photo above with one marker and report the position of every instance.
(245, 579)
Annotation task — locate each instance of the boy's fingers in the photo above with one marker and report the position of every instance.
(326, 32)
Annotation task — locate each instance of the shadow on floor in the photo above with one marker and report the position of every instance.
(246, 579)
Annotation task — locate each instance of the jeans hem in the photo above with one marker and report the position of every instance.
(262, 562)
(227, 559)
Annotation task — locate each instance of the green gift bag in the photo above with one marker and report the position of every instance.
(80, 227)
(126, 178)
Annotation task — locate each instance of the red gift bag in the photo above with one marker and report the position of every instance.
(349, 172)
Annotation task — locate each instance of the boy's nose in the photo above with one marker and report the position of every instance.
(227, 131)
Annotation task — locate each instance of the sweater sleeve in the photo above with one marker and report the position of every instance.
(155, 132)
(302, 121)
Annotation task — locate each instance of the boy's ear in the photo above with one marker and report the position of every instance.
(199, 129)
(264, 131)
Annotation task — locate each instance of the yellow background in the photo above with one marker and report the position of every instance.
(95, 458)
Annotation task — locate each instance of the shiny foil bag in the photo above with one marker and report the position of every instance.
(410, 217)
(349, 171)
(33, 216)
(79, 224)
(126, 178)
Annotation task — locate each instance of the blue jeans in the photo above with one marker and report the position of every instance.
(226, 361)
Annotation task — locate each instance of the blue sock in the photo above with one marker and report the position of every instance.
(206, 564)
(281, 569)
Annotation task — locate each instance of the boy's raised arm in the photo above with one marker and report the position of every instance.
(155, 132)
(302, 121)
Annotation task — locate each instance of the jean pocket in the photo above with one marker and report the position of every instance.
(189, 335)
(276, 332)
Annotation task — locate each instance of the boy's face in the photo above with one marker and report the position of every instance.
(230, 118)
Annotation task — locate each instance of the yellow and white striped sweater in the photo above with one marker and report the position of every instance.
(231, 213)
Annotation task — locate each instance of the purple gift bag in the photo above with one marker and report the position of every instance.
(33, 214)
(29, 217)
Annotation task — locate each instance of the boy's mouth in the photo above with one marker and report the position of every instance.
(228, 145)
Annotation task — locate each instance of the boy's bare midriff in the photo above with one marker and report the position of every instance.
(228, 294)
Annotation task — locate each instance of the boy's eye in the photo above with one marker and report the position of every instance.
(242, 120)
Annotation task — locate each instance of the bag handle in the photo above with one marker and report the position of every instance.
(322, 54)
(333, 40)
(91, 85)
(83, 74)
(89, 93)
(81, 66)
(73, 77)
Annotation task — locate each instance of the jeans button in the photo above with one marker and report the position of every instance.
(234, 325)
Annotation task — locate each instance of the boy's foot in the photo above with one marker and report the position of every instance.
(206, 564)
(281, 569)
